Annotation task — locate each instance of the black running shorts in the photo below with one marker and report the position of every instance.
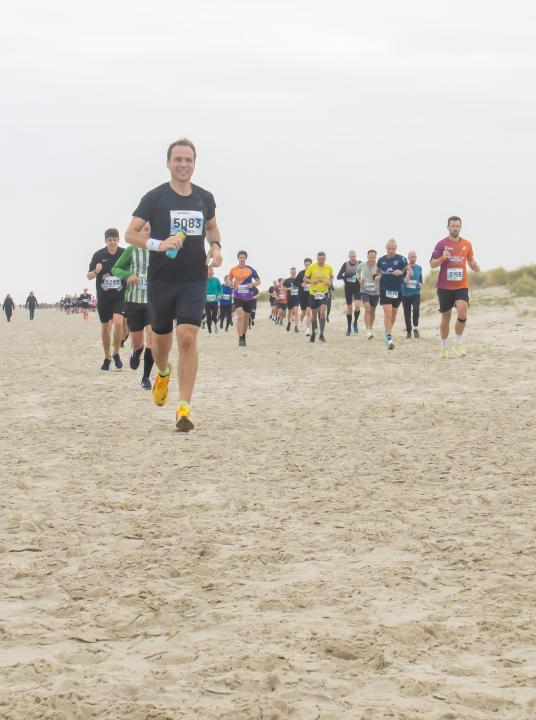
(247, 306)
(449, 298)
(352, 291)
(315, 303)
(182, 300)
(107, 307)
(395, 302)
(137, 316)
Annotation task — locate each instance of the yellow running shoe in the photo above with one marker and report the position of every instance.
(444, 354)
(459, 349)
(160, 387)
(183, 422)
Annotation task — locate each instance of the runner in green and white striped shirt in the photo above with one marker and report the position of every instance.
(132, 267)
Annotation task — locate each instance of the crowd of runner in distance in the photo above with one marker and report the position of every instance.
(163, 283)
(78, 303)
(303, 299)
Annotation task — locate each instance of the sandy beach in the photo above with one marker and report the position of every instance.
(349, 534)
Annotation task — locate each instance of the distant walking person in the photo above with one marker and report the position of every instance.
(8, 307)
(31, 304)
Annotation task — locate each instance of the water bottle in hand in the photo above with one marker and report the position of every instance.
(173, 252)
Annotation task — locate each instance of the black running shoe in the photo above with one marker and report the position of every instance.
(288, 327)
(135, 359)
(106, 364)
(416, 333)
(321, 338)
(117, 362)
(242, 342)
(312, 338)
(146, 383)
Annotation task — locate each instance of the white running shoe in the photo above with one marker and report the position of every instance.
(459, 349)
(307, 333)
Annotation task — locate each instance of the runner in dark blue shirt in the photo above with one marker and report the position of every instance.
(392, 269)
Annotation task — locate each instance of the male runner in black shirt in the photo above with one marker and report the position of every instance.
(110, 296)
(181, 216)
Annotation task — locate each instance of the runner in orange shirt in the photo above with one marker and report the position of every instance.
(244, 279)
(452, 255)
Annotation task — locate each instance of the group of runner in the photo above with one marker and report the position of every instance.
(304, 299)
(390, 281)
(76, 304)
(235, 298)
(164, 283)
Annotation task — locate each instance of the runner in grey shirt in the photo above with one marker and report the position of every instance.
(370, 293)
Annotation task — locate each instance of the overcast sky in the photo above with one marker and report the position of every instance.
(329, 125)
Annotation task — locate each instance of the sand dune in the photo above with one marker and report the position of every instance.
(349, 533)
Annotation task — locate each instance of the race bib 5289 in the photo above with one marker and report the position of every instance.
(191, 222)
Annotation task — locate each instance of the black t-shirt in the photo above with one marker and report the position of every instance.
(299, 279)
(293, 284)
(85, 299)
(168, 213)
(107, 284)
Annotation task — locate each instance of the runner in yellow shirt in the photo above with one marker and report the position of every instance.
(320, 275)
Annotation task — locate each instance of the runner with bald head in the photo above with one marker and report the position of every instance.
(392, 269)
(352, 290)
(411, 296)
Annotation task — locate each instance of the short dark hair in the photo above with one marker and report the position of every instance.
(454, 218)
(374, 251)
(320, 252)
(241, 252)
(308, 260)
(111, 232)
(182, 141)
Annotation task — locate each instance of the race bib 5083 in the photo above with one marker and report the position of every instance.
(191, 222)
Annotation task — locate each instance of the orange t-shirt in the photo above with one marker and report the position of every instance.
(453, 272)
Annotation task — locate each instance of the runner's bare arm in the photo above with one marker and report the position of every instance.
(475, 267)
(213, 236)
(436, 262)
(135, 236)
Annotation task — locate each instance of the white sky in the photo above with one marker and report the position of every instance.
(318, 126)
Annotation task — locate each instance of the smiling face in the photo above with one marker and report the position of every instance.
(181, 163)
(352, 257)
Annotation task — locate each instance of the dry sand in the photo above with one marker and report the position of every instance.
(349, 533)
